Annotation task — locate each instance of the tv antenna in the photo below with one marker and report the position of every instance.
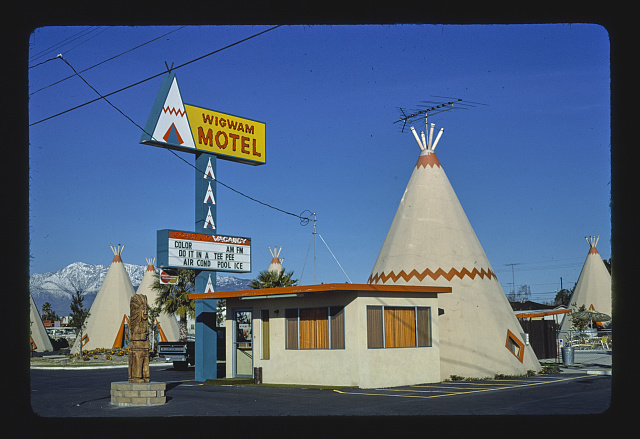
(432, 108)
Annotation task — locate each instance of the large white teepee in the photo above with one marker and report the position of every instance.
(39, 338)
(167, 324)
(593, 289)
(276, 262)
(109, 312)
(431, 242)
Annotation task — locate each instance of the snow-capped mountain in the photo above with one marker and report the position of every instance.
(58, 287)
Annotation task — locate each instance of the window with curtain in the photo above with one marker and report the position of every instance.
(398, 326)
(315, 328)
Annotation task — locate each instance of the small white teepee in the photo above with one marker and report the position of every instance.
(593, 289)
(276, 262)
(39, 338)
(431, 242)
(109, 312)
(167, 324)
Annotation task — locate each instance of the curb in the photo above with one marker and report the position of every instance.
(597, 372)
(119, 366)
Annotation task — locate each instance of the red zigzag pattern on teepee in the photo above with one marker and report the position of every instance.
(382, 277)
(172, 110)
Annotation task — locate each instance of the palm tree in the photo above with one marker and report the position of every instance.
(48, 313)
(273, 279)
(174, 299)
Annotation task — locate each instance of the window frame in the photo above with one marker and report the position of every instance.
(382, 331)
(516, 341)
(332, 311)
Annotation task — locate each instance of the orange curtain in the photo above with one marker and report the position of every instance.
(400, 327)
(314, 328)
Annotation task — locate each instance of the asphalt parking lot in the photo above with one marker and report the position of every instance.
(85, 393)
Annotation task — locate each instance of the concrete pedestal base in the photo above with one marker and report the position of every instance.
(124, 393)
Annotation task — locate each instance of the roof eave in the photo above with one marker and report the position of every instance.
(323, 288)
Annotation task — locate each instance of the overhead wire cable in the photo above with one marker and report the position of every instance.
(91, 37)
(334, 257)
(102, 62)
(156, 75)
(171, 151)
(60, 44)
(66, 51)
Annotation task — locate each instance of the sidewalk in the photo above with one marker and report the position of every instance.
(591, 362)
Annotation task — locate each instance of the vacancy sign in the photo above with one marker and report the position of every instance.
(197, 251)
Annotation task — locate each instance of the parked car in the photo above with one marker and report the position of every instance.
(182, 353)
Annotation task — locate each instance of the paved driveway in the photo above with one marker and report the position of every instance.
(85, 393)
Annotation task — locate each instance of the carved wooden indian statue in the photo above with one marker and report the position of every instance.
(138, 340)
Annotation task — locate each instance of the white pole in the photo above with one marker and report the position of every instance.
(433, 125)
(413, 130)
(437, 139)
(424, 141)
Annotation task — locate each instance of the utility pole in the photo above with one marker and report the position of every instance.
(314, 247)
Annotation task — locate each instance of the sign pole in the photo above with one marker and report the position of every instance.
(206, 345)
(206, 133)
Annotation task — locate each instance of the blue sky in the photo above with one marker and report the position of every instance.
(531, 167)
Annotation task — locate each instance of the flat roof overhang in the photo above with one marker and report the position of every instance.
(534, 313)
(297, 291)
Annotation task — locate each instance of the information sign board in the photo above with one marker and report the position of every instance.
(197, 251)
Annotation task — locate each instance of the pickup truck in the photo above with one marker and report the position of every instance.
(182, 353)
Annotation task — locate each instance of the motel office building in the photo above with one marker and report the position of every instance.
(333, 334)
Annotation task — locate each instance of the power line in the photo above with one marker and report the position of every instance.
(91, 37)
(101, 62)
(60, 44)
(171, 151)
(155, 76)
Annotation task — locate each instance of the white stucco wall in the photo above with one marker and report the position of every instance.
(356, 364)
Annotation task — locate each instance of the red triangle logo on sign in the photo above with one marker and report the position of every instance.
(168, 133)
